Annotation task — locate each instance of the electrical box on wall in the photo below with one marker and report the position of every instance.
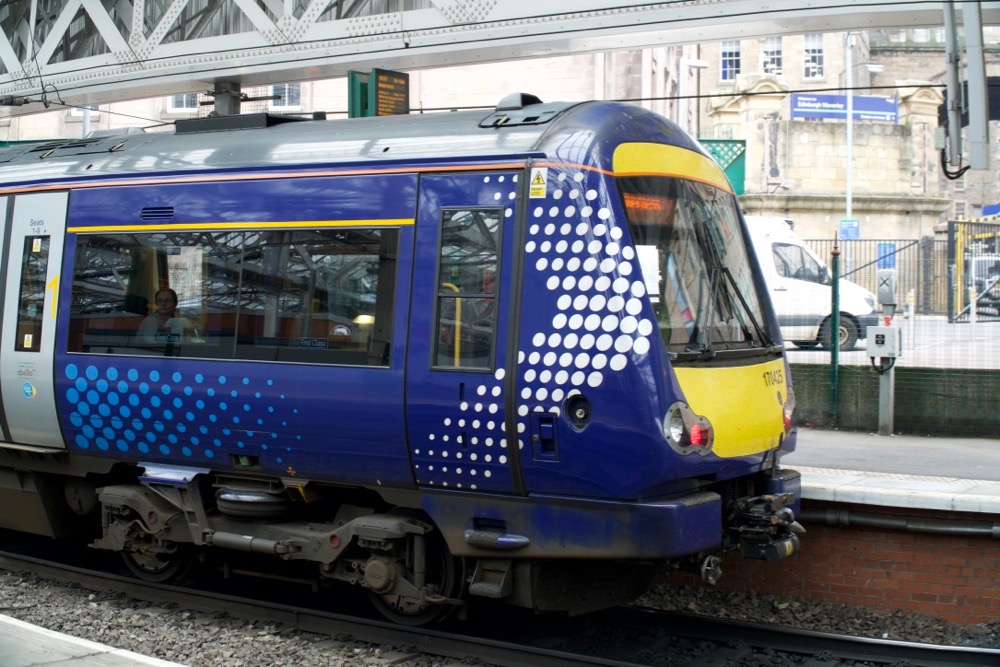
(885, 342)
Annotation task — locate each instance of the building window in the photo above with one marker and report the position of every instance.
(78, 111)
(730, 60)
(814, 56)
(180, 103)
(772, 56)
(960, 210)
(286, 96)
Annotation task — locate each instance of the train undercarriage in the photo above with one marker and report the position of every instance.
(173, 518)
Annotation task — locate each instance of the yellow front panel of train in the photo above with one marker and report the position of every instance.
(744, 404)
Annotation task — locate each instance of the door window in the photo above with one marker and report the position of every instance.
(467, 288)
(31, 297)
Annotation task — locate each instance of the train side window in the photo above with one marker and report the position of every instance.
(31, 298)
(155, 293)
(309, 296)
(318, 296)
(466, 317)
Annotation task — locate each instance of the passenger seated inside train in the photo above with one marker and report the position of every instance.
(165, 324)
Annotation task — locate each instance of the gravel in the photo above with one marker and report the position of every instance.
(208, 640)
(822, 616)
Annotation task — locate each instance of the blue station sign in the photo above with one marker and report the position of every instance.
(806, 106)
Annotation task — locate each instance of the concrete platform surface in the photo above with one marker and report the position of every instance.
(25, 645)
(958, 474)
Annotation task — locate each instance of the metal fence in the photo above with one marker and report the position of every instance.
(973, 265)
(921, 268)
(947, 380)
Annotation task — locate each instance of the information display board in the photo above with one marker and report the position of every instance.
(381, 92)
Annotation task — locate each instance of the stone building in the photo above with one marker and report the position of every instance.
(798, 168)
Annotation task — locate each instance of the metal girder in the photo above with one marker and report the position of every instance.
(92, 51)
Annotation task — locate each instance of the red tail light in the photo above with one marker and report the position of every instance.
(788, 409)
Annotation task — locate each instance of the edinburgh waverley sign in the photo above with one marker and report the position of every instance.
(866, 107)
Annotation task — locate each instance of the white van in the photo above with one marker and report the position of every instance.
(800, 287)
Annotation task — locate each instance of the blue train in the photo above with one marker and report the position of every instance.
(519, 354)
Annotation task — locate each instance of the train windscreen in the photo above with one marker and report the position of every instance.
(695, 265)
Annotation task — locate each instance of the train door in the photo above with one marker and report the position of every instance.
(35, 228)
(457, 356)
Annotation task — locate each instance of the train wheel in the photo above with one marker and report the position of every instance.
(157, 561)
(445, 578)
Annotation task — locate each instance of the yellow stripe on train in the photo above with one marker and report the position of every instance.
(745, 404)
(641, 159)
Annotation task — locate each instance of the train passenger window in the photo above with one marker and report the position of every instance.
(31, 297)
(156, 293)
(467, 288)
(322, 296)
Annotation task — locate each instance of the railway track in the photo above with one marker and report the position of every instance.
(625, 636)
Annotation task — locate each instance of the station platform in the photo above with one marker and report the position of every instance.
(25, 645)
(937, 473)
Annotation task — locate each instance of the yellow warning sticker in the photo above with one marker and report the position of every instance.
(536, 187)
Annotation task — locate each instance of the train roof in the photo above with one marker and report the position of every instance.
(520, 125)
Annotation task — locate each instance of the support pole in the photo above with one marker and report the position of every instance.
(886, 396)
(227, 98)
(835, 335)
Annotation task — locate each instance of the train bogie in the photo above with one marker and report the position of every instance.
(436, 357)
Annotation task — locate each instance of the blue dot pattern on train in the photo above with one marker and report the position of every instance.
(169, 415)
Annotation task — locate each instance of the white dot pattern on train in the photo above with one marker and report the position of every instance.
(600, 327)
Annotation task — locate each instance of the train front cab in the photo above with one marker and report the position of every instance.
(645, 429)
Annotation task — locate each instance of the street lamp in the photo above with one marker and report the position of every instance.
(849, 85)
(687, 64)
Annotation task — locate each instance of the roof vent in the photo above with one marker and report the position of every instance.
(157, 213)
(517, 101)
(522, 109)
(238, 122)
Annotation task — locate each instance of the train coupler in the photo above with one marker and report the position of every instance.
(765, 527)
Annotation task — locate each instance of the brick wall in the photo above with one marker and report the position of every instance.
(949, 577)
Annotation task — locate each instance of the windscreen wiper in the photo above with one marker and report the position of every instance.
(764, 338)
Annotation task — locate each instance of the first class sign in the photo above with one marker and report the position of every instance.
(807, 106)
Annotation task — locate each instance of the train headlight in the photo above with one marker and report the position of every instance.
(675, 427)
(686, 432)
